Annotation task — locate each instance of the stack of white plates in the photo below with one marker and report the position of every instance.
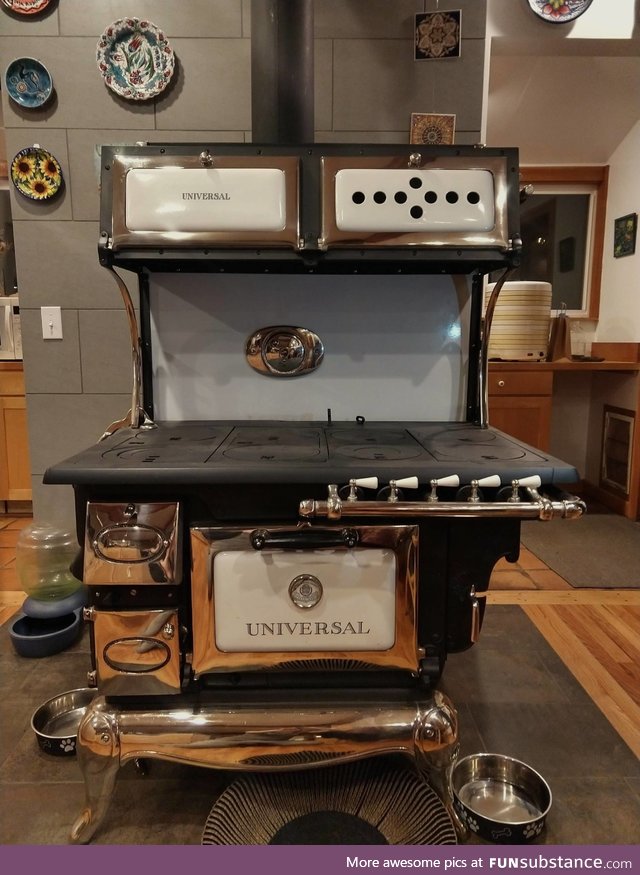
(521, 322)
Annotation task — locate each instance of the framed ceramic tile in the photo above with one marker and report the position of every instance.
(432, 129)
(437, 35)
(624, 235)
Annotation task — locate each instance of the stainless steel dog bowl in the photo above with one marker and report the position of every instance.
(56, 721)
(499, 798)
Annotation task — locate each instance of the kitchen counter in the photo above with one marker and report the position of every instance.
(524, 396)
(565, 365)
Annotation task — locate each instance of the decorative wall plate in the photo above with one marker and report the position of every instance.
(28, 82)
(559, 11)
(432, 129)
(36, 174)
(135, 58)
(26, 7)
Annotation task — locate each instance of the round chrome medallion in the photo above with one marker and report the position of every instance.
(305, 591)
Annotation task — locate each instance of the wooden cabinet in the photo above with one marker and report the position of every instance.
(15, 468)
(520, 402)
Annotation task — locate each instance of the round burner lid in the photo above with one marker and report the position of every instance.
(272, 452)
(379, 452)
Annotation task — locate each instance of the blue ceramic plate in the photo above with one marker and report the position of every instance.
(135, 58)
(28, 82)
(559, 11)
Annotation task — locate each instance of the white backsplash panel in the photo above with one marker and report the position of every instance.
(395, 346)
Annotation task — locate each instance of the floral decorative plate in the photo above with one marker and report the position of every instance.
(28, 82)
(135, 58)
(559, 11)
(36, 174)
(26, 7)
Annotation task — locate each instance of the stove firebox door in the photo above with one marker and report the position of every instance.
(304, 598)
(137, 652)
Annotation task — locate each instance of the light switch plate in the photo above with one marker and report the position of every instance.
(51, 323)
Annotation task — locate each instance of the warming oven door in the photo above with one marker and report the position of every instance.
(304, 597)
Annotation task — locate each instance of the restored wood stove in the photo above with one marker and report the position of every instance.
(271, 594)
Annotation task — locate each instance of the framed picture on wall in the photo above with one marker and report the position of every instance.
(437, 35)
(624, 235)
(432, 129)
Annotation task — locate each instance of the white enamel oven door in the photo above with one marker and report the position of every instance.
(300, 601)
(175, 201)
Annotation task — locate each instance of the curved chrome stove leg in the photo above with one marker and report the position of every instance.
(263, 736)
(435, 761)
(98, 752)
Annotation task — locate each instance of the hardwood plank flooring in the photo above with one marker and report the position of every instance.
(600, 644)
(595, 632)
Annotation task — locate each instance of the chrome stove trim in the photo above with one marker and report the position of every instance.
(263, 736)
(122, 237)
(136, 416)
(497, 237)
(206, 541)
(128, 566)
(284, 351)
(147, 640)
(540, 507)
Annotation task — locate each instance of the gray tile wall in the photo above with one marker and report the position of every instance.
(366, 86)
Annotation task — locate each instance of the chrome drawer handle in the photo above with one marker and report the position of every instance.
(304, 540)
(130, 543)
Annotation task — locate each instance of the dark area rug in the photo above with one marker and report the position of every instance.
(599, 550)
(513, 695)
(370, 802)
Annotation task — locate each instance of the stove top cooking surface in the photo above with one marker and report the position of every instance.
(308, 452)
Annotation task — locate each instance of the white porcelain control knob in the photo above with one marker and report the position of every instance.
(491, 481)
(406, 483)
(452, 480)
(532, 482)
(365, 482)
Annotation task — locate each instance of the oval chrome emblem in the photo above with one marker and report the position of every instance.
(305, 591)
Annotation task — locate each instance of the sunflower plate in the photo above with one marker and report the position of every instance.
(135, 58)
(36, 174)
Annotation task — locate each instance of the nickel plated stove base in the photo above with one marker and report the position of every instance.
(264, 736)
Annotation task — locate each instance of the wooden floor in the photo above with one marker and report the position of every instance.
(595, 632)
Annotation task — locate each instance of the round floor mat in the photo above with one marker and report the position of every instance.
(362, 803)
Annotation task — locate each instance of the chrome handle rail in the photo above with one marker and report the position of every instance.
(539, 507)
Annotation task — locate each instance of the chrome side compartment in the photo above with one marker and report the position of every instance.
(132, 543)
(137, 652)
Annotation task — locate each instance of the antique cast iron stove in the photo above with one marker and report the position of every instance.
(277, 595)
